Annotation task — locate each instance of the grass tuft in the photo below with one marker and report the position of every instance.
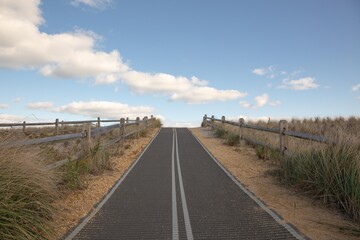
(27, 190)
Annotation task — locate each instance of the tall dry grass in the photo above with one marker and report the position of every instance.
(330, 172)
(27, 190)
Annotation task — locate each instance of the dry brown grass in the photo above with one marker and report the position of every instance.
(330, 172)
(28, 189)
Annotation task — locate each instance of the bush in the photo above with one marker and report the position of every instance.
(267, 153)
(232, 139)
(94, 161)
(27, 190)
(157, 123)
(331, 174)
(219, 132)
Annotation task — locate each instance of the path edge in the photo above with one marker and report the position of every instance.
(82, 223)
(296, 233)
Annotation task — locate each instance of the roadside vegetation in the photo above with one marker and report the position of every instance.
(329, 172)
(28, 188)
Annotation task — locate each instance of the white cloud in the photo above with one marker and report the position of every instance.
(206, 94)
(358, 97)
(300, 84)
(99, 4)
(7, 118)
(259, 71)
(268, 71)
(355, 87)
(17, 100)
(74, 55)
(260, 101)
(275, 103)
(40, 105)
(3, 106)
(113, 110)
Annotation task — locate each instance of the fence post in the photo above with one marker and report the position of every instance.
(146, 122)
(98, 122)
(223, 122)
(283, 126)
(137, 127)
(241, 130)
(205, 121)
(212, 122)
(87, 132)
(57, 126)
(24, 126)
(127, 120)
(122, 131)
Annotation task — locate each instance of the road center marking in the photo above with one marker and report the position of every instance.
(188, 228)
(175, 226)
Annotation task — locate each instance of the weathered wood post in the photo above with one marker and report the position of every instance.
(283, 126)
(146, 122)
(212, 122)
(241, 130)
(98, 122)
(87, 133)
(127, 120)
(204, 124)
(223, 123)
(122, 131)
(57, 126)
(137, 126)
(24, 126)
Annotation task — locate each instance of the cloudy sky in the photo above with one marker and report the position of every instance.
(79, 59)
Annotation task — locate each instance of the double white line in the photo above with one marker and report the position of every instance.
(175, 225)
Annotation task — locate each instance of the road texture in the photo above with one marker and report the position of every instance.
(177, 190)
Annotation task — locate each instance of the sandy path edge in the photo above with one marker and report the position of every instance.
(76, 205)
(311, 217)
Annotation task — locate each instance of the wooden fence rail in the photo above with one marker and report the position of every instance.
(282, 131)
(87, 134)
(58, 123)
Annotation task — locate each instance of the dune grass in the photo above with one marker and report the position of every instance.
(27, 190)
(330, 172)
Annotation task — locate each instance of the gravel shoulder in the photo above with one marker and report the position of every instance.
(311, 217)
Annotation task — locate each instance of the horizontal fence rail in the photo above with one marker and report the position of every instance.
(86, 134)
(282, 131)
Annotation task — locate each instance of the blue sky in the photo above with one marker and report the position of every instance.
(79, 59)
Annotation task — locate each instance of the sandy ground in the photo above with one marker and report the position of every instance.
(77, 204)
(311, 217)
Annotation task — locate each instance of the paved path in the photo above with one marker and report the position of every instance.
(176, 190)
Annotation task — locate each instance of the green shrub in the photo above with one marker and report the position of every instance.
(267, 153)
(232, 139)
(94, 161)
(219, 132)
(331, 174)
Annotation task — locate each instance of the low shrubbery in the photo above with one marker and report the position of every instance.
(330, 172)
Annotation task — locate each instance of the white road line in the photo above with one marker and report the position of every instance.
(188, 229)
(175, 226)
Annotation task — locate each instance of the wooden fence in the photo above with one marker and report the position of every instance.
(87, 133)
(282, 131)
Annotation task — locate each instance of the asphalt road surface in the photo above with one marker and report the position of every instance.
(177, 190)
